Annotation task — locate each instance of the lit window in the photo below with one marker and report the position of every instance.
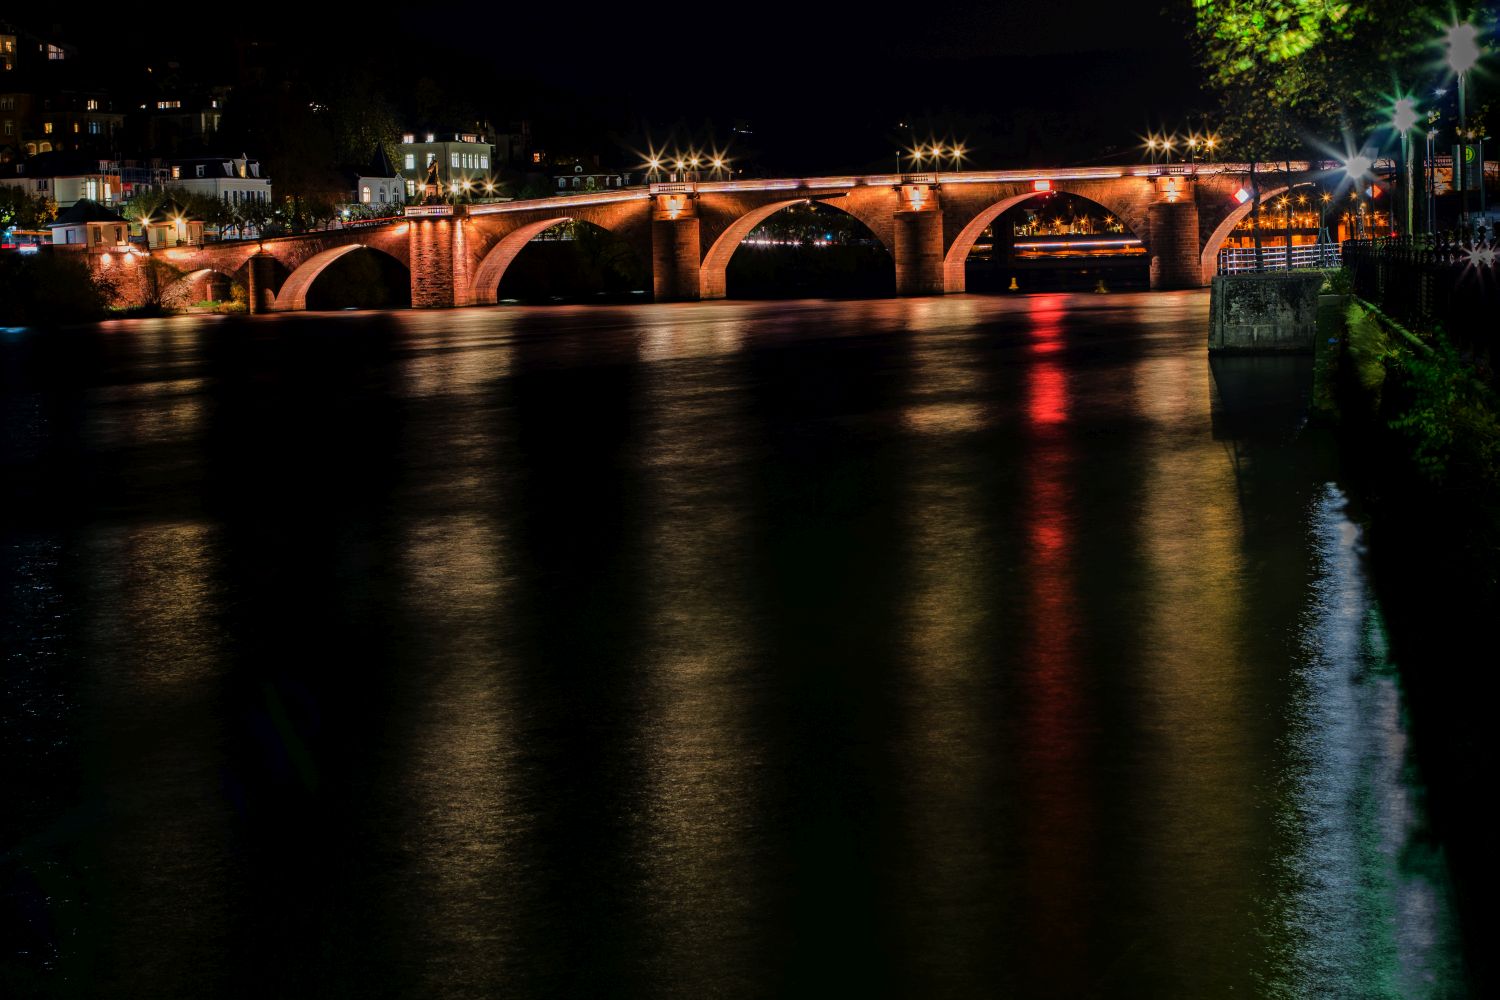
(176, 173)
(411, 188)
(96, 128)
(364, 194)
(10, 127)
(484, 162)
(536, 157)
(452, 159)
(92, 104)
(429, 137)
(54, 53)
(411, 161)
(47, 128)
(430, 158)
(75, 128)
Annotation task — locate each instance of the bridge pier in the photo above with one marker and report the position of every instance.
(676, 250)
(918, 245)
(437, 245)
(1175, 252)
(263, 281)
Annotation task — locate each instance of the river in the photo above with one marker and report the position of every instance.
(971, 646)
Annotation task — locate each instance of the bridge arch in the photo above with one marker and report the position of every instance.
(181, 292)
(485, 288)
(293, 294)
(1208, 262)
(713, 272)
(954, 277)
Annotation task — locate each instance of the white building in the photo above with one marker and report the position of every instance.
(231, 179)
(377, 182)
(92, 225)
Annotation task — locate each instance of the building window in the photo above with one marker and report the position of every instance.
(167, 105)
(408, 137)
(92, 104)
(54, 53)
(484, 161)
(364, 194)
(411, 189)
(200, 170)
(176, 173)
(47, 128)
(96, 128)
(10, 127)
(91, 189)
(429, 137)
(430, 158)
(75, 128)
(453, 160)
(8, 103)
(536, 157)
(411, 161)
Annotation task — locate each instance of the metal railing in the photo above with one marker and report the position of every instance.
(1432, 282)
(1240, 260)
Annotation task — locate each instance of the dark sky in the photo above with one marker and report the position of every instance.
(822, 85)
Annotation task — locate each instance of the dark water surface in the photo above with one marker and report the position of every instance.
(955, 647)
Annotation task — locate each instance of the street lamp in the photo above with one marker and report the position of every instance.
(1462, 40)
(1403, 117)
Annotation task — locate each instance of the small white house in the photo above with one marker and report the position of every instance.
(92, 225)
(377, 182)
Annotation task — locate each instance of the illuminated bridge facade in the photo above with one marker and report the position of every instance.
(457, 254)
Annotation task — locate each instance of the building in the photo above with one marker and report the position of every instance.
(48, 121)
(48, 100)
(66, 178)
(577, 180)
(235, 180)
(377, 182)
(170, 225)
(180, 120)
(462, 158)
(92, 225)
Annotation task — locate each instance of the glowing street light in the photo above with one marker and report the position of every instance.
(1462, 40)
(1404, 117)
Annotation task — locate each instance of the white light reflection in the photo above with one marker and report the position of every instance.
(1370, 902)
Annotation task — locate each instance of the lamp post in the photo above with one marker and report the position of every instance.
(1462, 40)
(1403, 117)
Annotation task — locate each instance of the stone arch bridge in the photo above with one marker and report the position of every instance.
(456, 254)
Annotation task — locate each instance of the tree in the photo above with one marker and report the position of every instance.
(1293, 76)
(24, 211)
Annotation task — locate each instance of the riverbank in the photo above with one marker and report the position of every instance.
(1420, 439)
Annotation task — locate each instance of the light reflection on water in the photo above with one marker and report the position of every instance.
(1366, 913)
(910, 647)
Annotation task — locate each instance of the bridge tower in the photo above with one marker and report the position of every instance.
(918, 244)
(1174, 234)
(675, 247)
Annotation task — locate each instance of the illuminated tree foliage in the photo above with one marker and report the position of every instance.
(1294, 72)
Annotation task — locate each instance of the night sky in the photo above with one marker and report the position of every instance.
(820, 85)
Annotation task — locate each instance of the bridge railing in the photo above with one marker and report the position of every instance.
(1433, 281)
(1241, 260)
